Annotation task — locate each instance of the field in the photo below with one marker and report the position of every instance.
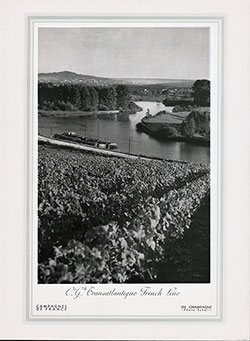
(115, 220)
(165, 117)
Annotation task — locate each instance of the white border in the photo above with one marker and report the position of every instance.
(194, 294)
(236, 170)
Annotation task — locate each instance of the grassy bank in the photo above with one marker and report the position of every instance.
(185, 126)
(160, 133)
(131, 109)
(52, 145)
(60, 113)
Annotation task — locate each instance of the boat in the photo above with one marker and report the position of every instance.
(112, 145)
(71, 136)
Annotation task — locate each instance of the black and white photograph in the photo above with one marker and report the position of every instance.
(123, 155)
(124, 170)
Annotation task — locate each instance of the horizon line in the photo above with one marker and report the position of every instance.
(122, 77)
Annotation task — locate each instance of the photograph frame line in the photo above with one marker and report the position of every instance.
(31, 19)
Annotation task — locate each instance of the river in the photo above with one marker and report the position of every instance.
(122, 130)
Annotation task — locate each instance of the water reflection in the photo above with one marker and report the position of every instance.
(121, 128)
(123, 117)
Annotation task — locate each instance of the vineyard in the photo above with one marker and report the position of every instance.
(115, 220)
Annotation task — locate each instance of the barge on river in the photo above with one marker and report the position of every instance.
(73, 137)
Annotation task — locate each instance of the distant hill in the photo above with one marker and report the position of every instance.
(72, 77)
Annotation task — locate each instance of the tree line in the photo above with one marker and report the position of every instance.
(201, 92)
(200, 95)
(74, 97)
(196, 122)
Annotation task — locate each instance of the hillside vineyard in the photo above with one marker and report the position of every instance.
(113, 220)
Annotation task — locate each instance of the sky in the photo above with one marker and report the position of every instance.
(174, 53)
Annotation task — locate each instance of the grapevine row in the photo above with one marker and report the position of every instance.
(123, 248)
(80, 192)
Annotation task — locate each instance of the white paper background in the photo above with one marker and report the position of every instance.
(168, 307)
(235, 323)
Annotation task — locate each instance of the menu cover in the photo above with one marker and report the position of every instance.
(130, 205)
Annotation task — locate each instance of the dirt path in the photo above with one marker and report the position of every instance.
(79, 147)
(64, 144)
